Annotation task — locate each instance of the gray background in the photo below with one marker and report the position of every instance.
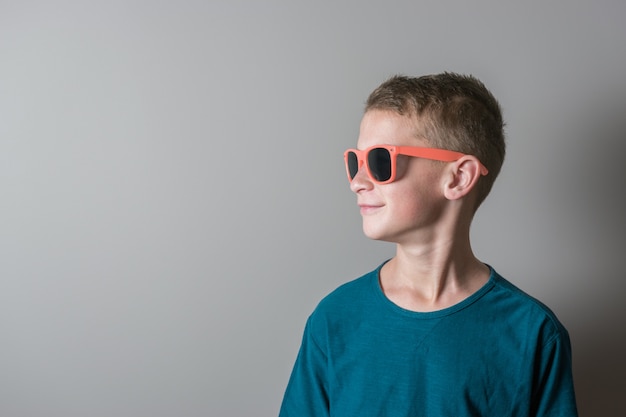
(174, 202)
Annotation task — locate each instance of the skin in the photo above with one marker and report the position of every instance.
(427, 212)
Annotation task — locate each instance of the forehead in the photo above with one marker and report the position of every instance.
(385, 127)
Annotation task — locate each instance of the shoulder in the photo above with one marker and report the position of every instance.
(519, 307)
(348, 295)
(346, 304)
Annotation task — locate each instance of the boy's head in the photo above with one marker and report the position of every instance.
(454, 112)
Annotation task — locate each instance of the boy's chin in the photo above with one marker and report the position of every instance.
(378, 235)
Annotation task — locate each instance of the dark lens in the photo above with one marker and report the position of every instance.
(353, 164)
(379, 163)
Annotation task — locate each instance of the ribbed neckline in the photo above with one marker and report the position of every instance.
(375, 284)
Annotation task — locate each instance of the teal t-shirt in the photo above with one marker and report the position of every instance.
(498, 353)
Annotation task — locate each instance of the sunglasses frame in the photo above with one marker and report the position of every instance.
(435, 154)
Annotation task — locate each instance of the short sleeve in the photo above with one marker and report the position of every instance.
(307, 391)
(554, 387)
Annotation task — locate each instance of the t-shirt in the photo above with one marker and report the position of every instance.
(498, 353)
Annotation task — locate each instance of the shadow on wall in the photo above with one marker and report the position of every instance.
(591, 178)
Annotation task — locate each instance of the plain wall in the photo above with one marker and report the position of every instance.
(174, 202)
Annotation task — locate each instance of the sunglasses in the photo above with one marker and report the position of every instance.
(380, 160)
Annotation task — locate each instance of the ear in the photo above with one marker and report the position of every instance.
(463, 175)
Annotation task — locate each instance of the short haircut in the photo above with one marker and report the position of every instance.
(454, 111)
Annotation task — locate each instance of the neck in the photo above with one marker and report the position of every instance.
(434, 276)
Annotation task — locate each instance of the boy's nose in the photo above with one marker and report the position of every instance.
(361, 180)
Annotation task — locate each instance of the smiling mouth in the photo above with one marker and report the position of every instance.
(367, 208)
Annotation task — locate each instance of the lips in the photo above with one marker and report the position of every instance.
(368, 208)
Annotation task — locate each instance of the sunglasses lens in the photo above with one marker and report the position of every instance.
(379, 163)
(353, 164)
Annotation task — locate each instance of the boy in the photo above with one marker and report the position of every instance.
(433, 331)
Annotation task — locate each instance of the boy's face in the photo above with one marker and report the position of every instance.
(409, 209)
